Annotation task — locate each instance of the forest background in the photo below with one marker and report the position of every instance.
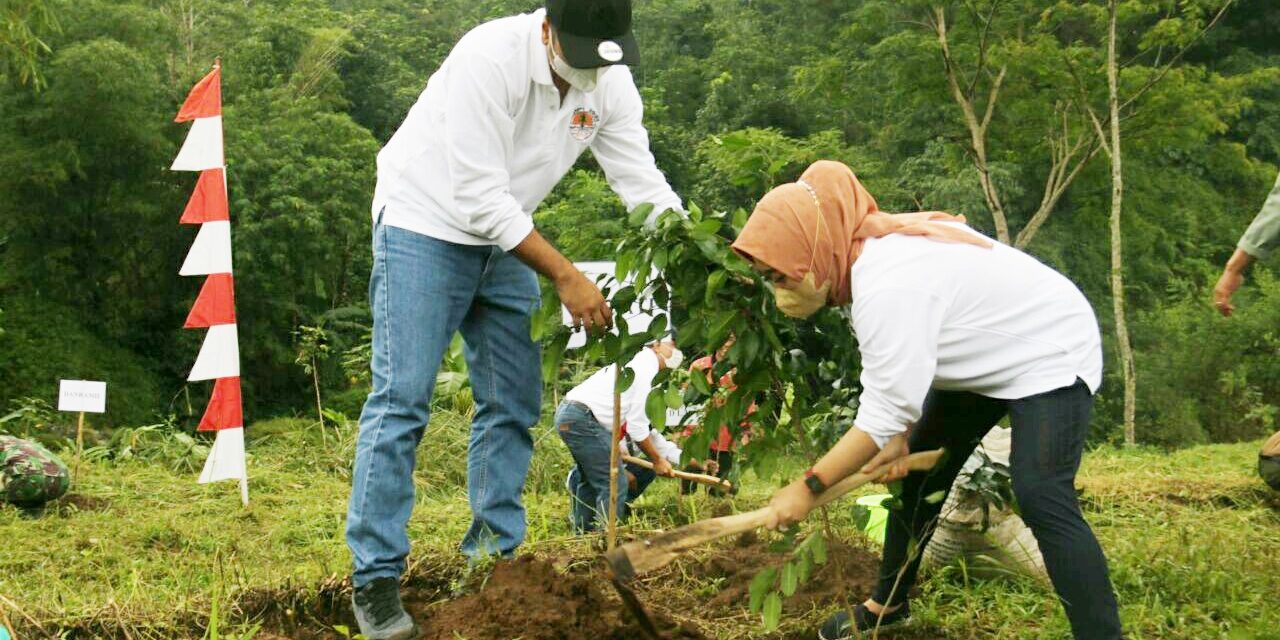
(984, 108)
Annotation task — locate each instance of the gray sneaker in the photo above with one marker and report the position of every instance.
(380, 613)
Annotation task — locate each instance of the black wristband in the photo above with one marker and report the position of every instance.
(815, 484)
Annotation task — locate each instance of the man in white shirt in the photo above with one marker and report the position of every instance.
(584, 421)
(956, 331)
(499, 124)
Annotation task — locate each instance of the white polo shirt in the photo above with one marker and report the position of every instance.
(596, 393)
(996, 322)
(489, 138)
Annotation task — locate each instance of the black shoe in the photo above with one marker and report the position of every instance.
(842, 626)
(379, 612)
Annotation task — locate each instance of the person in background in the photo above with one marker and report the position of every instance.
(1259, 241)
(721, 450)
(955, 331)
(503, 119)
(30, 475)
(584, 421)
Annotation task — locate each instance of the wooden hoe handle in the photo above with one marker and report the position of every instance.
(641, 556)
(700, 478)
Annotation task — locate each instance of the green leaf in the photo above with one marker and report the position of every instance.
(655, 407)
(624, 262)
(674, 399)
(658, 328)
(700, 384)
(706, 228)
(935, 497)
(720, 326)
(626, 379)
(819, 549)
(861, 517)
(790, 579)
(805, 567)
(714, 282)
(552, 355)
(760, 586)
(640, 214)
(772, 611)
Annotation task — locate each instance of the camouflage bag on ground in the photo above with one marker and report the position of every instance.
(29, 474)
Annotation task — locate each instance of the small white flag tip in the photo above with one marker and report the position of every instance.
(219, 355)
(226, 458)
(203, 147)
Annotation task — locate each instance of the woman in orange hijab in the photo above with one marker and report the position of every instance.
(956, 331)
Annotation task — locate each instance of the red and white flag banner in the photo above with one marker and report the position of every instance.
(215, 307)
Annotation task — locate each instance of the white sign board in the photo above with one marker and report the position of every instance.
(82, 395)
(637, 320)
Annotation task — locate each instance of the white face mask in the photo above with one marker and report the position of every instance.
(676, 359)
(584, 80)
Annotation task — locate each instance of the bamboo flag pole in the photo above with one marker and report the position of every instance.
(613, 457)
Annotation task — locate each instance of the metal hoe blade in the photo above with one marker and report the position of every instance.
(633, 604)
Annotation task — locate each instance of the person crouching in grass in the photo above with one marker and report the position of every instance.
(585, 423)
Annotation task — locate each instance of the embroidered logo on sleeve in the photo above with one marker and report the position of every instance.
(582, 124)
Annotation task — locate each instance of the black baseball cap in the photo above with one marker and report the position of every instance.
(594, 33)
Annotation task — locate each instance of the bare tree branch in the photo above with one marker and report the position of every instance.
(977, 128)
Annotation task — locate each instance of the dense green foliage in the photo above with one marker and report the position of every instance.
(740, 96)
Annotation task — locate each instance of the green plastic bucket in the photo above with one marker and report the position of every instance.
(879, 515)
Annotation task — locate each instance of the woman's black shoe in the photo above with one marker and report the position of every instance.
(842, 626)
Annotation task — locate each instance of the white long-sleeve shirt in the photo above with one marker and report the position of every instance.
(666, 449)
(489, 138)
(996, 322)
(596, 392)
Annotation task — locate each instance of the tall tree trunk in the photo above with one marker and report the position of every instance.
(1117, 255)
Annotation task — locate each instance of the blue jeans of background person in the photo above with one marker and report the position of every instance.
(1049, 431)
(422, 291)
(590, 444)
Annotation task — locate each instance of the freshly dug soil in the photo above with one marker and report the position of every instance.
(528, 599)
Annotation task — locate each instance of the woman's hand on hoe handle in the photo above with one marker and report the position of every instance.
(793, 502)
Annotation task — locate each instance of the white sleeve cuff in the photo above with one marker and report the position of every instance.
(878, 431)
(517, 229)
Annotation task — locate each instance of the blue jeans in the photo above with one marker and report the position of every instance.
(1049, 432)
(589, 443)
(422, 291)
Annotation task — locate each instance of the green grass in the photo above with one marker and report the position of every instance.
(1191, 537)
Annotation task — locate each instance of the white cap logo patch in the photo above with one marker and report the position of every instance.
(610, 51)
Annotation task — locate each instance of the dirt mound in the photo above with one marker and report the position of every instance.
(529, 599)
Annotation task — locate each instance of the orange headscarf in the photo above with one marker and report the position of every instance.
(784, 232)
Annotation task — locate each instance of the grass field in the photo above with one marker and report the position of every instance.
(140, 551)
